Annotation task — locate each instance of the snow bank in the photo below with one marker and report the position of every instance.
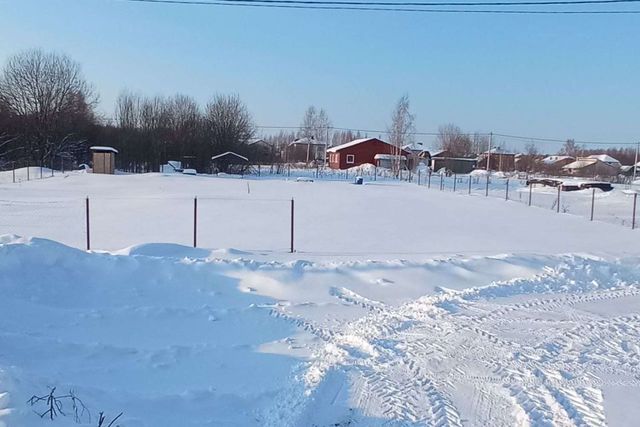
(174, 336)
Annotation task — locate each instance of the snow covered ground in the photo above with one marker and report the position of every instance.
(401, 306)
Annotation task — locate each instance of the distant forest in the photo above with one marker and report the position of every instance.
(48, 117)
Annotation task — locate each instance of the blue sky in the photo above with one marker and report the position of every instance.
(548, 76)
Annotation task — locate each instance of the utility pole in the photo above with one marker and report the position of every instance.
(326, 142)
(489, 151)
(635, 163)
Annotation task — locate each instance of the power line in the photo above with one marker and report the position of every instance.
(400, 3)
(503, 135)
(280, 5)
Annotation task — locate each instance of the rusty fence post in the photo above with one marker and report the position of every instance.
(195, 221)
(88, 231)
(486, 191)
(292, 223)
(506, 195)
(633, 220)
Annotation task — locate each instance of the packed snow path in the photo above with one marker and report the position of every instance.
(521, 352)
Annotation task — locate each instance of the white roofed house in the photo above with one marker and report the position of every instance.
(605, 158)
(554, 164)
(306, 149)
(592, 166)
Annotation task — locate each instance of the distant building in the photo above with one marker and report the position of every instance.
(443, 159)
(305, 150)
(591, 167)
(605, 158)
(229, 162)
(364, 151)
(498, 160)
(104, 159)
(262, 151)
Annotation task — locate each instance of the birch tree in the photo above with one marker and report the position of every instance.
(401, 131)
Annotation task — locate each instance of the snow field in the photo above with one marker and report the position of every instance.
(332, 219)
(402, 307)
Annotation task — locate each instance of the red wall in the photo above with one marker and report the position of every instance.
(363, 152)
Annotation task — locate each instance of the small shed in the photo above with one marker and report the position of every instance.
(229, 162)
(104, 159)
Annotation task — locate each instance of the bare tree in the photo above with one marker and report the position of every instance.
(401, 130)
(51, 100)
(530, 157)
(228, 124)
(451, 138)
(570, 148)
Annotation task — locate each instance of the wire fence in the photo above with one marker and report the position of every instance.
(269, 224)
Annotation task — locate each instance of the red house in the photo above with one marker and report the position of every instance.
(359, 152)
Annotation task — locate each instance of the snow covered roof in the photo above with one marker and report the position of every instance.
(387, 157)
(605, 158)
(581, 163)
(256, 141)
(230, 153)
(306, 141)
(350, 144)
(499, 150)
(549, 160)
(103, 148)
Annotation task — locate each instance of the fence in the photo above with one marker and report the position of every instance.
(109, 223)
(20, 171)
(262, 224)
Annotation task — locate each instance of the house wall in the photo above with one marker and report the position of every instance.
(455, 165)
(503, 162)
(596, 169)
(363, 153)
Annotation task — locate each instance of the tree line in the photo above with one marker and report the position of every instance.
(48, 117)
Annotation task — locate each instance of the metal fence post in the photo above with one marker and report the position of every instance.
(506, 196)
(195, 221)
(593, 202)
(27, 171)
(469, 184)
(429, 182)
(292, 222)
(530, 190)
(419, 176)
(441, 182)
(14, 171)
(633, 220)
(455, 180)
(486, 190)
(558, 201)
(87, 223)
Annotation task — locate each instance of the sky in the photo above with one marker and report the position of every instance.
(552, 76)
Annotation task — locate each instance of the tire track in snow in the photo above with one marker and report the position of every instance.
(397, 372)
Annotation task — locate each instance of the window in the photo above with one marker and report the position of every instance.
(351, 159)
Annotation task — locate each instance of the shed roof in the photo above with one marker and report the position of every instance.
(388, 157)
(307, 141)
(229, 153)
(103, 149)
